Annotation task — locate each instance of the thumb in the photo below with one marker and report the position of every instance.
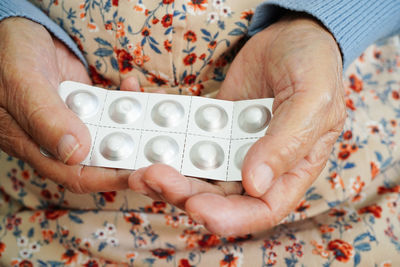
(245, 79)
(34, 103)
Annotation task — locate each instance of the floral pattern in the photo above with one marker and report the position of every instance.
(349, 217)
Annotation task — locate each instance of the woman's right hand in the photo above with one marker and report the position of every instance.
(32, 115)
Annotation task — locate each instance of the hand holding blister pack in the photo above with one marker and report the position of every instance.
(200, 137)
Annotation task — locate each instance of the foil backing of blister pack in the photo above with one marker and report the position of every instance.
(200, 137)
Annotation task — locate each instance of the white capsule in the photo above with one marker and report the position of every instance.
(207, 155)
(168, 113)
(125, 110)
(211, 118)
(161, 149)
(85, 104)
(254, 118)
(241, 154)
(117, 146)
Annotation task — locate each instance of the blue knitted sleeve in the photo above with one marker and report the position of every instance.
(354, 23)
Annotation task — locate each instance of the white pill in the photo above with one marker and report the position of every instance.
(168, 113)
(161, 149)
(117, 146)
(241, 154)
(83, 103)
(254, 119)
(211, 118)
(207, 155)
(125, 110)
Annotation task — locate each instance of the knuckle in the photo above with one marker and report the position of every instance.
(288, 151)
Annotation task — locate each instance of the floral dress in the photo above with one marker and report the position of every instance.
(350, 216)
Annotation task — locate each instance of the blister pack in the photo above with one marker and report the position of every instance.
(200, 137)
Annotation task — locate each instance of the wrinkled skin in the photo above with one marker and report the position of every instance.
(299, 63)
(32, 115)
(295, 60)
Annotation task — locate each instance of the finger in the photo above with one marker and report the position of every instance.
(78, 179)
(294, 130)
(29, 93)
(130, 84)
(34, 103)
(168, 183)
(239, 215)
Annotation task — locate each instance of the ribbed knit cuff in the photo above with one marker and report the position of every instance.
(23, 8)
(355, 24)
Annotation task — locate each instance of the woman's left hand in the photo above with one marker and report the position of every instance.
(298, 62)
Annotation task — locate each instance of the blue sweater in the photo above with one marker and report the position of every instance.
(354, 23)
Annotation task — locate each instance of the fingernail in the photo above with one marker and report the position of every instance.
(261, 178)
(197, 218)
(66, 147)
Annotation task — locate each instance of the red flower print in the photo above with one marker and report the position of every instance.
(190, 59)
(146, 31)
(190, 79)
(2, 248)
(25, 263)
(196, 89)
(54, 214)
(343, 251)
(184, 263)
(337, 213)
(373, 209)
(162, 253)
(395, 95)
(212, 45)
(347, 135)
(190, 36)
(168, 45)
(302, 206)
(155, 20)
(25, 174)
(202, 56)
(167, 2)
(221, 62)
(393, 123)
(156, 79)
(384, 190)
(133, 218)
(124, 60)
(198, 5)
(97, 78)
(229, 260)
(91, 263)
(108, 26)
(208, 240)
(115, 2)
(46, 194)
(374, 170)
(239, 239)
(355, 83)
(167, 20)
(247, 15)
(344, 154)
(70, 256)
(350, 104)
(47, 235)
(109, 196)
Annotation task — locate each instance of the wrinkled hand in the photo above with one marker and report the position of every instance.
(299, 63)
(32, 115)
